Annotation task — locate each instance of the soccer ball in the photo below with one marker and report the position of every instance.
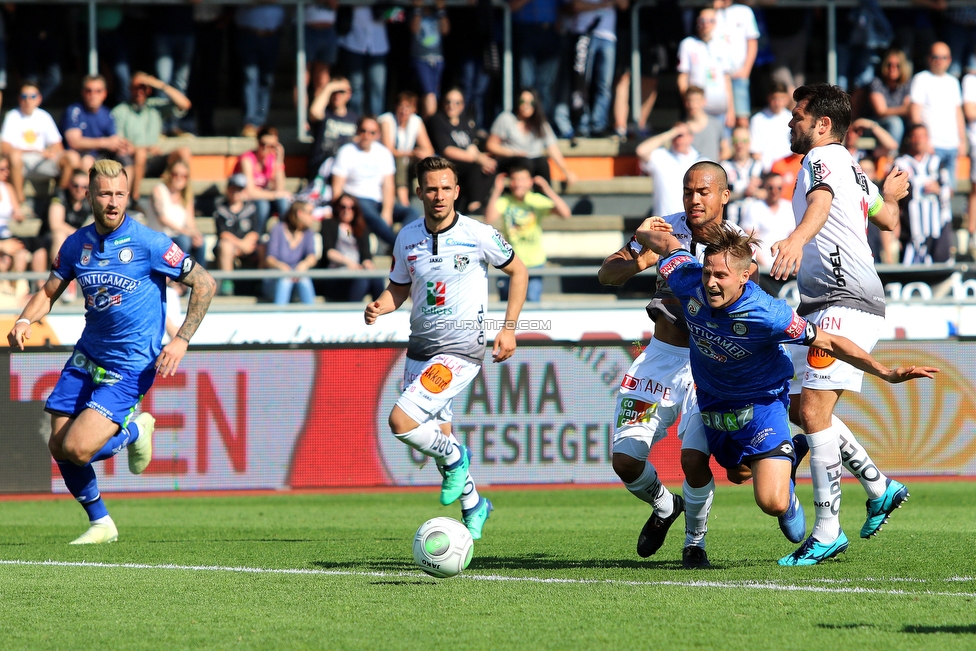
(442, 547)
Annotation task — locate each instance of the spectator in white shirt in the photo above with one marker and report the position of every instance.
(30, 138)
(737, 27)
(667, 166)
(969, 112)
(365, 169)
(745, 175)
(704, 61)
(770, 220)
(937, 103)
(769, 129)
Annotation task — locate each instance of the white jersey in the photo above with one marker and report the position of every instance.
(448, 274)
(664, 303)
(837, 266)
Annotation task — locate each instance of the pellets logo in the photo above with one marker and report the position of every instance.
(819, 359)
(436, 378)
(436, 293)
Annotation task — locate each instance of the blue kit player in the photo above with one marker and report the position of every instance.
(742, 373)
(121, 267)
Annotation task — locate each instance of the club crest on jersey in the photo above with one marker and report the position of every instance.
(461, 262)
(173, 255)
(739, 328)
(125, 255)
(86, 253)
(819, 172)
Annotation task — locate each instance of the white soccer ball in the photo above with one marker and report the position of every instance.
(442, 547)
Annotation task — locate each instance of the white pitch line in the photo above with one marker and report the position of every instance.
(736, 585)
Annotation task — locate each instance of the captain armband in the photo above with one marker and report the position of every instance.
(876, 206)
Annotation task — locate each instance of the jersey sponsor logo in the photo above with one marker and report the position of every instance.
(693, 307)
(796, 327)
(104, 263)
(435, 260)
(421, 243)
(121, 240)
(703, 335)
(819, 171)
(646, 384)
(738, 315)
(819, 359)
(461, 262)
(837, 267)
(861, 178)
(436, 293)
(728, 421)
(86, 253)
(101, 300)
(125, 255)
(668, 268)
(705, 349)
(453, 242)
(633, 412)
(740, 328)
(436, 378)
(500, 242)
(411, 258)
(187, 265)
(174, 255)
(107, 279)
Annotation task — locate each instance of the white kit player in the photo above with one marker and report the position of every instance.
(441, 263)
(658, 387)
(841, 293)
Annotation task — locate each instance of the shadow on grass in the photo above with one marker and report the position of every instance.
(836, 627)
(534, 562)
(911, 628)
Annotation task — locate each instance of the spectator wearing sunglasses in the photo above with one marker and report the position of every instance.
(30, 138)
(365, 169)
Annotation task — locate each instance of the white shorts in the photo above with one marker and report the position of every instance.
(815, 369)
(657, 389)
(429, 387)
(38, 167)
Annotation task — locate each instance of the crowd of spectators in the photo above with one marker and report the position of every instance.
(572, 62)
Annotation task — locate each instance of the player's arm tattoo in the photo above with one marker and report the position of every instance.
(204, 286)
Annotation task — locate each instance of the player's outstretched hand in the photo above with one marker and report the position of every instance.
(504, 346)
(896, 184)
(18, 335)
(788, 255)
(905, 373)
(372, 312)
(171, 356)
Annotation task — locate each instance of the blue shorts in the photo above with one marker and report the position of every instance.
(85, 385)
(429, 75)
(740, 433)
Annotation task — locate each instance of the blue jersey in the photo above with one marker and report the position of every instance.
(123, 278)
(735, 352)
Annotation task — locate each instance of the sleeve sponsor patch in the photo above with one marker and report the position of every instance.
(673, 263)
(810, 334)
(819, 172)
(174, 255)
(797, 326)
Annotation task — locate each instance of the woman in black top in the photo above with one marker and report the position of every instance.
(453, 136)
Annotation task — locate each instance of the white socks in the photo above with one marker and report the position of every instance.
(429, 439)
(825, 470)
(648, 488)
(698, 502)
(858, 462)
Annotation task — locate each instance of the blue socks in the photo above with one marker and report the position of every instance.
(125, 436)
(81, 483)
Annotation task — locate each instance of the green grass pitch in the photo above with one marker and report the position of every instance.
(556, 570)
